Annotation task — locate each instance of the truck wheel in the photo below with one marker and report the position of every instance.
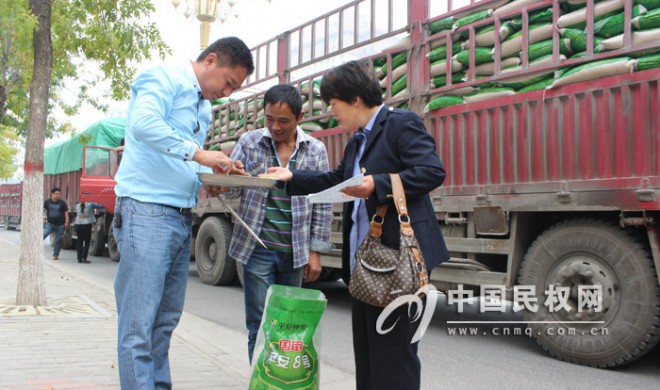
(588, 252)
(211, 245)
(97, 242)
(113, 250)
(67, 238)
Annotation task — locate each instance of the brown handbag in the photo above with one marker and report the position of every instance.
(382, 274)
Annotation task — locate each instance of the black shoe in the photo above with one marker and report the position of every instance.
(86, 261)
(80, 261)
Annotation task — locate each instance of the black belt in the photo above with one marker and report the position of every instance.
(182, 210)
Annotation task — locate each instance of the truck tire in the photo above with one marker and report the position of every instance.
(113, 250)
(589, 252)
(211, 245)
(97, 241)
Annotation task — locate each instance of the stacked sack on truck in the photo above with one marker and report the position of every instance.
(230, 121)
(398, 78)
(222, 125)
(313, 107)
(571, 25)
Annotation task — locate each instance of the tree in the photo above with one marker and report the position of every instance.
(110, 33)
(31, 289)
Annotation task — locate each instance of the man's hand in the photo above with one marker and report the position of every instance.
(363, 190)
(283, 174)
(238, 169)
(313, 267)
(214, 159)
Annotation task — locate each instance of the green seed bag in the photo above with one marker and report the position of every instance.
(286, 355)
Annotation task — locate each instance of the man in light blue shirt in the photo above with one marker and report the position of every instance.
(157, 185)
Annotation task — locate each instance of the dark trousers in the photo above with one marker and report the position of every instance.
(384, 361)
(84, 233)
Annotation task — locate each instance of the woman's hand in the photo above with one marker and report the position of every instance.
(363, 190)
(280, 173)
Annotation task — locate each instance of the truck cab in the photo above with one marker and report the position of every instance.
(97, 184)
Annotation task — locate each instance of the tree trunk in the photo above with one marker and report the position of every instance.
(31, 287)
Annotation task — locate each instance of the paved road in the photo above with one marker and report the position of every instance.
(449, 361)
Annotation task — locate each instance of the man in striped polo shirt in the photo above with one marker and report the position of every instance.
(294, 231)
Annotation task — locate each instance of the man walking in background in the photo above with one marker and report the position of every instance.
(57, 219)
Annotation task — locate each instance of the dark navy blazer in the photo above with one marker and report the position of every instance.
(397, 143)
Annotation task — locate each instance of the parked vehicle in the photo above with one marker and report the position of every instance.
(11, 196)
(545, 116)
(83, 167)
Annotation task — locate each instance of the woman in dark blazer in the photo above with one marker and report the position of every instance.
(396, 142)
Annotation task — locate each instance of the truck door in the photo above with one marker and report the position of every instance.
(97, 183)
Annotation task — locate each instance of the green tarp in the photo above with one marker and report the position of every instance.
(66, 156)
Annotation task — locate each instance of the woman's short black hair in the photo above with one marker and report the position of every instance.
(349, 81)
(231, 51)
(287, 94)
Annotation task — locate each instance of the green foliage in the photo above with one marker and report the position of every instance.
(8, 150)
(111, 35)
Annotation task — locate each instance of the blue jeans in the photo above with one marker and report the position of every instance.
(59, 232)
(263, 269)
(150, 286)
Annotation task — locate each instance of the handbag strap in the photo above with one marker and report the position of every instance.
(401, 205)
(376, 225)
(406, 227)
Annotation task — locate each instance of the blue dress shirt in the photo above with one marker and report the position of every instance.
(166, 123)
(359, 215)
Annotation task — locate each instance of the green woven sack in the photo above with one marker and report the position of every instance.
(441, 81)
(442, 102)
(613, 25)
(648, 62)
(649, 4)
(536, 17)
(542, 84)
(440, 52)
(578, 40)
(399, 85)
(397, 61)
(482, 55)
(481, 15)
(544, 48)
(441, 25)
(647, 21)
(593, 64)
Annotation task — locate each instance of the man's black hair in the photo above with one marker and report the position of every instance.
(287, 94)
(231, 51)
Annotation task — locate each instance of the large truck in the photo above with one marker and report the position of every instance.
(83, 168)
(11, 196)
(545, 114)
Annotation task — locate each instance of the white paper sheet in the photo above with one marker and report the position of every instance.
(333, 194)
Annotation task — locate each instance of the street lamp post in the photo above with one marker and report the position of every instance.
(207, 12)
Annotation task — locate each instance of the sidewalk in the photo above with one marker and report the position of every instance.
(73, 346)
